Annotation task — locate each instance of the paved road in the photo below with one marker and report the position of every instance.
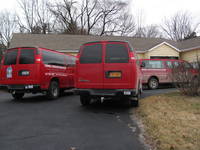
(39, 124)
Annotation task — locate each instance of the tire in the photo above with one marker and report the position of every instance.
(62, 92)
(134, 101)
(18, 96)
(53, 91)
(153, 83)
(85, 100)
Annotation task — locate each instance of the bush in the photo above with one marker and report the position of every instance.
(186, 79)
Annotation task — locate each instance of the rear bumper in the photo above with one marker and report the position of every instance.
(107, 92)
(21, 88)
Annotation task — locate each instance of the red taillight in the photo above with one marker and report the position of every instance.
(132, 57)
(38, 59)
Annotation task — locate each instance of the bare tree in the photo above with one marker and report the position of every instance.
(8, 25)
(151, 31)
(179, 26)
(66, 14)
(101, 17)
(36, 16)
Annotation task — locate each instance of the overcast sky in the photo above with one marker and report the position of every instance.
(152, 11)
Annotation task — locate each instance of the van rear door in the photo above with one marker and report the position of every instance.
(90, 67)
(117, 69)
(19, 66)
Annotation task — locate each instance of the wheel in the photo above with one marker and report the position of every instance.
(85, 100)
(153, 83)
(53, 91)
(62, 92)
(134, 101)
(18, 96)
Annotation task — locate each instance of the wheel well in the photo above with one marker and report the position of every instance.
(55, 79)
(153, 77)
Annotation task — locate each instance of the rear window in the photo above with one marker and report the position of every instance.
(52, 58)
(153, 64)
(91, 54)
(27, 56)
(116, 53)
(11, 57)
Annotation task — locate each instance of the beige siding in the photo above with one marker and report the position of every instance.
(163, 50)
(140, 56)
(190, 56)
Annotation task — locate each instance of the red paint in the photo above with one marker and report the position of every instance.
(163, 74)
(93, 76)
(40, 73)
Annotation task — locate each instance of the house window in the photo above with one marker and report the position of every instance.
(164, 57)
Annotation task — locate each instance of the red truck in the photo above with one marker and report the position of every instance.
(33, 70)
(107, 69)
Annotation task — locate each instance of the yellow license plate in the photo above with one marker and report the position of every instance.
(115, 74)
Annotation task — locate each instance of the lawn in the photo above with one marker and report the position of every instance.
(171, 121)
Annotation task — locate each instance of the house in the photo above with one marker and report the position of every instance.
(187, 50)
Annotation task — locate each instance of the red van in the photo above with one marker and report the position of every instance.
(159, 71)
(33, 70)
(107, 69)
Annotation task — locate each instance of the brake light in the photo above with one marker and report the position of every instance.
(38, 59)
(132, 57)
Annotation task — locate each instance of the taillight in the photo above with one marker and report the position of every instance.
(38, 59)
(132, 57)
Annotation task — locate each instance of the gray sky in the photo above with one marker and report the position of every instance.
(152, 11)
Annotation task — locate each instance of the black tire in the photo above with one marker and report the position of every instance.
(134, 103)
(85, 100)
(18, 96)
(153, 83)
(53, 91)
(62, 92)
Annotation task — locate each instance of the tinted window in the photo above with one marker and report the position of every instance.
(27, 56)
(176, 64)
(169, 64)
(91, 54)
(116, 53)
(187, 65)
(52, 58)
(70, 60)
(11, 57)
(153, 64)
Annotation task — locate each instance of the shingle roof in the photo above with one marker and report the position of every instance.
(73, 42)
(189, 44)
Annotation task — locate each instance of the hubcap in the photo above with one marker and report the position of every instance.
(153, 84)
(55, 91)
